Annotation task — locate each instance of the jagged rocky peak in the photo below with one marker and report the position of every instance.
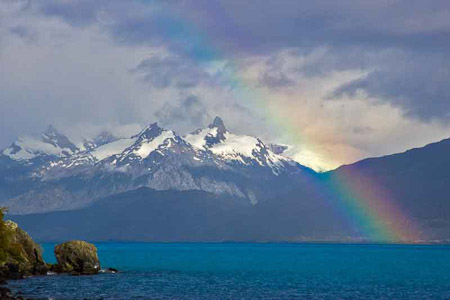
(49, 143)
(58, 140)
(103, 138)
(50, 131)
(219, 135)
(151, 138)
(154, 157)
(218, 123)
(149, 132)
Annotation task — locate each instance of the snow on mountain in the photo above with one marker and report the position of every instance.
(231, 147)
(103, 138)
(113, 156)
(215, 142)
(103, 146)
(50, 143)
(205, 138)
(25, 148)
(113, 148)
(149, 140)
(146, 147)
(211, 159)
(198, 138)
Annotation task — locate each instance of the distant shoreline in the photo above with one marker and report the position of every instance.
(427, 243)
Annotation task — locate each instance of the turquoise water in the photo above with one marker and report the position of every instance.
(254, 271)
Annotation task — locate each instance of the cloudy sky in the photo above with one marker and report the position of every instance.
(336, 80)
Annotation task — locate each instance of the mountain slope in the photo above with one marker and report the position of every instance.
(50, 144)
(148, 215)
(210, 159)
(417, 182)
(142, 214)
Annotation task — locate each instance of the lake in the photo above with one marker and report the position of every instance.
(254, 271)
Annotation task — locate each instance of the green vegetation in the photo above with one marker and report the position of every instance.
(5, 237)
(18, 249)
(10, 248)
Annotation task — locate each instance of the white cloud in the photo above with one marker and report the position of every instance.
(81, 79)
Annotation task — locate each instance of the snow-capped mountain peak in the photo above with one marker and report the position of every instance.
(149, 132)
(218, 123)
(149, 140)
(113, 148)
(213, 143)
(125, 146)
(104, 137)
(205, 138)
(217, 133)
(58, 140)
(210, 159)
(49, 144)
(227, 146)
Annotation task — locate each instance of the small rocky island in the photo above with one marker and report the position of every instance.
(21, 257)
(76, 258)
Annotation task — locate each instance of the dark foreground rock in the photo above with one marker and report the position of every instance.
(77, 258)
(20, 256)
(5, 294)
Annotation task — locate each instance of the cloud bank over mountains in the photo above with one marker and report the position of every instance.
(338, 81)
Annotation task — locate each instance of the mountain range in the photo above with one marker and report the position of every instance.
(50, 173)
(210, 185)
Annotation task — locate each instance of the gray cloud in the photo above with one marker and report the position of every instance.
(273, 75)
(363, 130)
(188, 111)
(23, 32)
(417, 83)
(181, 54)
(80, 12)
(171, 71)
(265, 26)
(353, 31)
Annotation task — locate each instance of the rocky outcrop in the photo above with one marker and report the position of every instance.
(77, 258)
(20, 256)
(5, 294)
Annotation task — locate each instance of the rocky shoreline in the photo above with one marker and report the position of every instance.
(6, 294)
(21, 257)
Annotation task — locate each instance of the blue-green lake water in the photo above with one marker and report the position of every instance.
(254, 271)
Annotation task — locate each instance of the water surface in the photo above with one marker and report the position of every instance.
(254, 271)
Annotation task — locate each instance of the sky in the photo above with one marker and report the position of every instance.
(338, 81)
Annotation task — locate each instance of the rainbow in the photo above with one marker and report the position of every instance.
(370, 208)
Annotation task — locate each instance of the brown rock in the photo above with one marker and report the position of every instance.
(19, 255)
(77, 258)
